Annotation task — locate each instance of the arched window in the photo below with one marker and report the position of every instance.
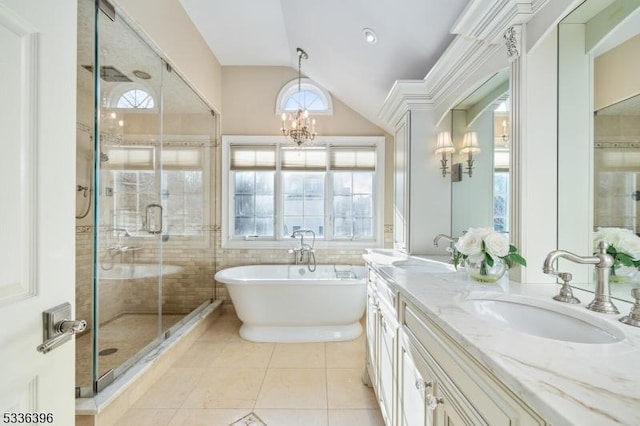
(135, 98)
(310, 97)
(130, 96)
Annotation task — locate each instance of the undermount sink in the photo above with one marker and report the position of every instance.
(423, 265)
(543, 322)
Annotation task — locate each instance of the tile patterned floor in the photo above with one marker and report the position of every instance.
(223, 380)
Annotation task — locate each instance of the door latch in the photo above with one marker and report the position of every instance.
(57, 328)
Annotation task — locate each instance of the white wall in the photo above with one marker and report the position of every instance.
(472, 198)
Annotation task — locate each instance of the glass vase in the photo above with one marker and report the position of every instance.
(483, 273)
(622, 274)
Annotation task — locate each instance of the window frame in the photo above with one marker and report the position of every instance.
(291, 88)
(114, 94)
(173, 143)
(279, 240)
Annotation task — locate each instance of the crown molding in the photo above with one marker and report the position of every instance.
(483, 28)
(405, 95)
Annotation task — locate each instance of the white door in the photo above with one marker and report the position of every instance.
(37, 224)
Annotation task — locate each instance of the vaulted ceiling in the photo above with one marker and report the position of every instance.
(412, 34)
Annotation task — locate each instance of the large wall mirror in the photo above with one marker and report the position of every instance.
(481, 198)
(598, 130)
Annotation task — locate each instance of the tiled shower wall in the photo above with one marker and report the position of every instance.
(181, 293)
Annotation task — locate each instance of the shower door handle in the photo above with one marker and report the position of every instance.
(153, 221)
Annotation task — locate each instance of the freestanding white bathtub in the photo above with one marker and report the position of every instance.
(288, 303)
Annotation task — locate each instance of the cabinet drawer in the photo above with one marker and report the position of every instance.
(383, 289)
(464, 377)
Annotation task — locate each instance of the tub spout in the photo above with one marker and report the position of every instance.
(304, 248)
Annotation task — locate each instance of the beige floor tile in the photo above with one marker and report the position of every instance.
(368, 417)
(226, 388)
(200, 355)
(146, 417)
(244, 354)
(349, 354)
(293, 388)
(298, 355)
(207, 417)
(224, 329)
(172, 389)
(282, 417)
(345, 389)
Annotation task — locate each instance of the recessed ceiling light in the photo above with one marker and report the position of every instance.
(141, 74)
(369, 36)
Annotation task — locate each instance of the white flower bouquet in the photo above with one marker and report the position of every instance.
(624, 247)
(486, 246)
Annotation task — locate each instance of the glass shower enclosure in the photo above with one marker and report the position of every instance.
(147, 139)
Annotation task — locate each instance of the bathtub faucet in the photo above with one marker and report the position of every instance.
(305, 248)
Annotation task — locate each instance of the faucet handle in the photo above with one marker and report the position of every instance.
(634, 316)
(566, 294)
(565, 277)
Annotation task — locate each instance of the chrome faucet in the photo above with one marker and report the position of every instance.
(451, 249)
(121, 232)
(304, 248)
(602, 261)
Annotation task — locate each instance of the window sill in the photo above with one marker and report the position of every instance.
(289, 244)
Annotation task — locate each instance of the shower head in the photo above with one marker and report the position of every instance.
(103, 157)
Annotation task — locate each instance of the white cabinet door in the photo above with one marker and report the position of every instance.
(415, 382)
(372, 336)
(37, 224)
(387, 373)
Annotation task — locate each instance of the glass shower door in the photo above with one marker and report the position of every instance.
(129, 214)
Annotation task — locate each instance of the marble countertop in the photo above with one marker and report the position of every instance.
(565, 382)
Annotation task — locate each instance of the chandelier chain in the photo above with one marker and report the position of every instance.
(301, 128)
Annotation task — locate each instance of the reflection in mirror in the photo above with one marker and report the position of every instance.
(598, 129)
(480, 199)
(617, 165)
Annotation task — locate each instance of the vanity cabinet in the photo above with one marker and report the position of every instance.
(433, 380)
(382, 331)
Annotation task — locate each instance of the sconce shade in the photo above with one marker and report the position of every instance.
(470, 143)
(444, 145)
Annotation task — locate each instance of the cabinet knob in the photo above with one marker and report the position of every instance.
(432, 401)
(422, 385)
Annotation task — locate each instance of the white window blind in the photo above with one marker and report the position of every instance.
(308, 159)
(251, 157)
(181, 158)
(362, 158)
(131, 157)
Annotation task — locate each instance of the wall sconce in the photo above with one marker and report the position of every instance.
(470, 146)
(504, 135)
(444, 146)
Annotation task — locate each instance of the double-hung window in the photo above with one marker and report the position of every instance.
(135, 182)
(333, 187)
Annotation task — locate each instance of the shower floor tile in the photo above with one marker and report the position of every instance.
(119, 340)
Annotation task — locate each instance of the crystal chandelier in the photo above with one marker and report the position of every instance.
(301, 128)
